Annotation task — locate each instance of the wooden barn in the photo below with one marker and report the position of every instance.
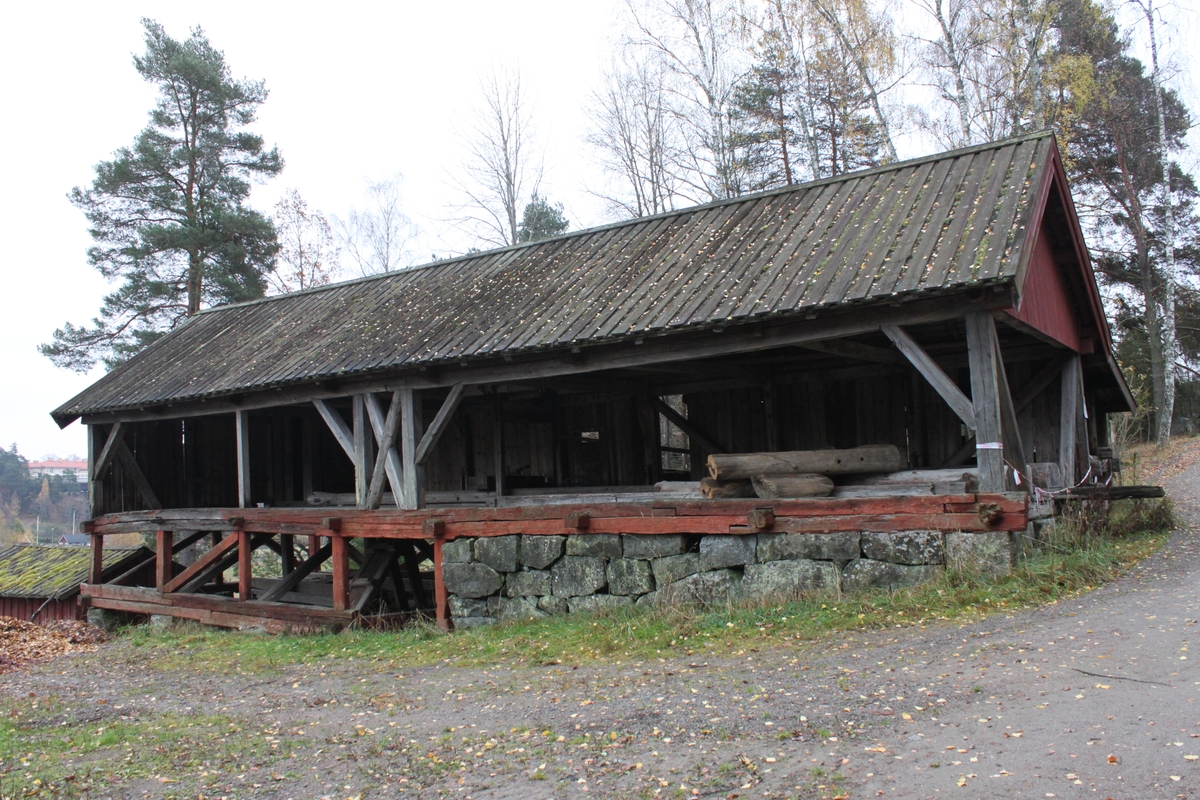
(359, 433)
(40, 583)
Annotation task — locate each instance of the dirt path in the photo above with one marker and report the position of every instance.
(1092, 699)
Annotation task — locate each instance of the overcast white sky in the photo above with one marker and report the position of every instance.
(359, 91)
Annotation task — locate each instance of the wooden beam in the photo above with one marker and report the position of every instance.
(620, 355)
(439, 424)
(208, 559)
(387, 447)
(441, 597)
(410, 425)
(686, 426)
(242, 428)
(1014, 447)
(337, 426)
(1068, 411)
(341, 573)
(859, 352)
(292, 579)
(115, 435)
(985, 393)
(378, 422)
(164, 553)
(498, 443)
(96, 568)
(933, 373)
(95, 485)
(287, 545)
(130, 465)
(361, 478)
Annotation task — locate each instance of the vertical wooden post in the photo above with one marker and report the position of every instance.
(362, 478)
(1068, 411)
(498, 444)
(437, 529)
(314, 544)
(985, 398)
(245, 586)
(243, 457)
(287, 544)
(306, 458)
(96, 570)
(164, 544)
(340, 559)
(410, 473)
(94, 485)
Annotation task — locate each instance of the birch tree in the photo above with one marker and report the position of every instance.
(308, 252)
(378, 237)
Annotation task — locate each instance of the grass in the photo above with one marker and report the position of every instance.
(1085, 550)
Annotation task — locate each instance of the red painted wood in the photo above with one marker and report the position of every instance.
(340, 561)
(1046, 302)
(96, 570)
(245, 554)
(441, 597)
(202, 563)
(164, 553)
(890, 523)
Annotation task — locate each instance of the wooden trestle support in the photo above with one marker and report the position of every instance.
(385, 585)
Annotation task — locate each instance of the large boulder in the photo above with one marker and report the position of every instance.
(822, 546)
(669, 569)
(574, 576)
(471, 580)
(470, 607)
(553, 605)
(539, 552)
(498, 552)
(520, 608)
(867, 573)
(654, 546)
(629, 576)
(458, 551)
(991, 553)
(705, 589)
(595, 602)
(529, 583)
(717, 552)
(905, 547)
(597, 545)
(784, 580)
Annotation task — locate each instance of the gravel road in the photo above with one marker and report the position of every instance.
(1091, 698)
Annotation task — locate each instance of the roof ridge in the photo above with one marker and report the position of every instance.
(845, 176)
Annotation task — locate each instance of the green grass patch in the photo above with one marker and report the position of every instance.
(44, 752)
(1087, 548)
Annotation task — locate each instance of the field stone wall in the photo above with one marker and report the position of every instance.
(519, 576)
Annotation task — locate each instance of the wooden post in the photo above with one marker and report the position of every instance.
(361, 477)
(314, 544)
(306, 458)
(245, 552)
(1068, 410)
(164, 544)
(96, 570)
(287, 545)
(341, 573)
(441, 598)
(94, 485)
(410, 425)
(498, 444)
(243, 457)
(985, 401)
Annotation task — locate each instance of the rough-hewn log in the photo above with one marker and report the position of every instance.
(774, 487)
(871, 458)
(923, 476)
(714, 489)
(1115, 492)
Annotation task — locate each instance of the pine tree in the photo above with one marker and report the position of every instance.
(541, 220)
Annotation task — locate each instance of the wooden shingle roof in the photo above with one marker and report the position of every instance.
(942, 223)
(54, 571)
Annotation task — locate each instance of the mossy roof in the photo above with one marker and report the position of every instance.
(42, 571)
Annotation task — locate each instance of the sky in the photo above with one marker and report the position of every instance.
(360, 92)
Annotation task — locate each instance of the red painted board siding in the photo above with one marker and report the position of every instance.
(23, 608)
(1045, 299)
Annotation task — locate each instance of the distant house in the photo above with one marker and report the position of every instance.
(60, 467)
(74, 539)
(40, 583)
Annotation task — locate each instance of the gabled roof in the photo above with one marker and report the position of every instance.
(941, 223)
(55, 571)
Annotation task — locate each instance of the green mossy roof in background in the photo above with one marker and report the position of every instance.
(30, 570)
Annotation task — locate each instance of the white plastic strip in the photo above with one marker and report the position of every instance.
(989, 446)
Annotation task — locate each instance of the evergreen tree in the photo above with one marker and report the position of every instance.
(541, 220)
(168, 214)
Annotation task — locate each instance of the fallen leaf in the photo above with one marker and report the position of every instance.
(1103, 686)
(1112, 759)
(906, 716)
(1191, 758)
(961, 781)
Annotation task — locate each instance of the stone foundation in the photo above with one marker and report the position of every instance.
(519, 577)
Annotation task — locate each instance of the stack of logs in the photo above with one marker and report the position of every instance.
(797, 473)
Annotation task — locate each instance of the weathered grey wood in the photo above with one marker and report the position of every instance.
(387, 447)
(95, 484)
(1014, 446)
(337, 426)
(306, 457)
(409, 426)
(985, 394)
(1037, 384)
(1068, 411)
(440, 421)
(291, 580)
(130, 465)
(498, 445)
(242, 431)
(918, 476)
(871, 458)
(929, 368)
(686, 426)
(115, 436)
(392, 465)
(774, 487)
(859, 352)
(714, 489)
(362, 477)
